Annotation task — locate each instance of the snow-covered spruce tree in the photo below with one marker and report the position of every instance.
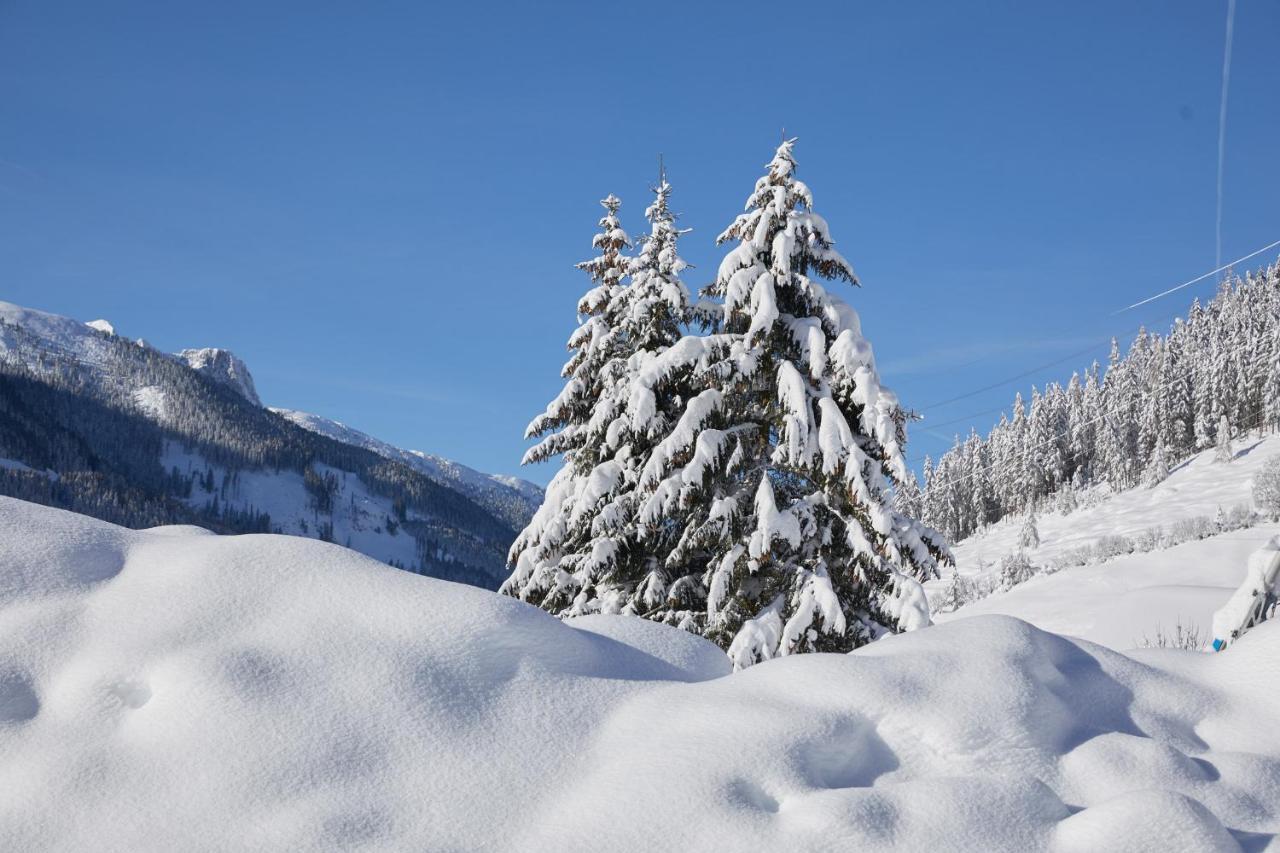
(550, 556)
(1158, 468)
(778, 478)
(1029, 535)
(580, 552)
(649, 315)
(1225, 452)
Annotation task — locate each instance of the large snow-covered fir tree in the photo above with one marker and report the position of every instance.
(779, 477)
(580, 553)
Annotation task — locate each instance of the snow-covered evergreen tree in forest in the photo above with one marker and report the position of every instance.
(1225, 452)
(1162, 401)
(1029, 535)
(1158, 468)
(780, 474)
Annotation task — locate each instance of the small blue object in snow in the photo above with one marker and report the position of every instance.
(1218, 644)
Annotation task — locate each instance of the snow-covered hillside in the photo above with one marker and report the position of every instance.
(511, 497)
(86, 343)
(174, 690)
(139, 437)
(1132, 598)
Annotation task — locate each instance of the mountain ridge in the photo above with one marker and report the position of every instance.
(116, 429)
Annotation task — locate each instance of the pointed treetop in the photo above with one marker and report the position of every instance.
(783, 164)
(610, 265)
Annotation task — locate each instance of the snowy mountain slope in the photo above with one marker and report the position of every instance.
(515, 499)
(86, 343)
(508, 497)
(89, 343)
(1130, 598)
(142, 438)
(173, 690)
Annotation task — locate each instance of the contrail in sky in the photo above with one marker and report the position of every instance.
(1222, 122)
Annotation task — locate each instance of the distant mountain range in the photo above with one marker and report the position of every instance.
(111, 427)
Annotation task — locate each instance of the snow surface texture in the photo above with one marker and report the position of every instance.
(173, 690)
(1123, 601)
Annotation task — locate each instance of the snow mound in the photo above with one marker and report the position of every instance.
(167, 690)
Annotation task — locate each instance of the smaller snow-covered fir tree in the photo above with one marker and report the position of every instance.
(956, 594)
(1029, 535)
(1158, 468)
(582, 552)
(1066, 501)
(563, 546)
(1225, 450)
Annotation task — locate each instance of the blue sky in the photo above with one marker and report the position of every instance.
(378, 205)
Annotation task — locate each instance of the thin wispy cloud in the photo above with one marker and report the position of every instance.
(955, 358)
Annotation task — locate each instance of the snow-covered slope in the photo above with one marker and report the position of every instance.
(140, 437)
(173, 690)
(84, 341)
(510, 497)
(1129, 599)
(87, 343)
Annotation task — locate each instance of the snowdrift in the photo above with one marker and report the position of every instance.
(174, 690)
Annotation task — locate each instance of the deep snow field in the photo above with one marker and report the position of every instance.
(174, 690)
(1130, 599)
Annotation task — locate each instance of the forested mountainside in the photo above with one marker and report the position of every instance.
(509, 498)
(112, 428)
(1213, 376)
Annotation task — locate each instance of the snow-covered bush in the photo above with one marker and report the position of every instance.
(1190, 529)
(1266, 488)
(1014, 569)
(1112, 545)
(961, 590)
(1239, 517)
(1081, 555)
(1151, 539)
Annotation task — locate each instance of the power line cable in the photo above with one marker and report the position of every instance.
(1198, 278)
